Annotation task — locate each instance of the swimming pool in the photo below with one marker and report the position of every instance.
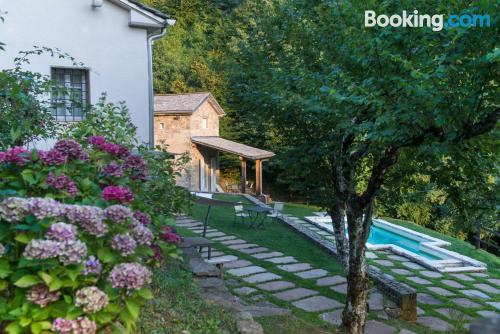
(419, 247)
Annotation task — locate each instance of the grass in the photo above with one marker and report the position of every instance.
(178, 307)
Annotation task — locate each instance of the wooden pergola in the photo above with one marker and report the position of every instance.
(244, 152)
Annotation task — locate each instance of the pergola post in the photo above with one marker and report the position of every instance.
(243, 163)
(258, 177)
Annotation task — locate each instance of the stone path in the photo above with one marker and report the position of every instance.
(446, 301)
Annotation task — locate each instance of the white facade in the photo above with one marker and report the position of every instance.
(112, 40)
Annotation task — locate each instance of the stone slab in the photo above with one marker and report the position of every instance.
(465, 303)
(331, 280)
(254, 250)
(494, 304)
(342, 288)
(463, 277)
(238, 264)
(441, 291)
(430, 274)
(452, 283)
(376, 301)
(401, 271)
(475, 294)
(488, 314)
(334, 318)
(419, 280)
(427, 299)
(215, 234)
(397, 258)
(315, 273)
(295, 267)
(267, 255)
(242, 246)
(385, 263)
(246, 271)
(295, 294)
(282, 260)
(370, 255)
(226, 238)
(377, 327)
(452, 314)
(487, 288)
(244, 290)
(233, 242)
(262, 277)
(212, 254)
(317, 304)
(435, 324)
(412, 265)
(276, 285)
(495, 281)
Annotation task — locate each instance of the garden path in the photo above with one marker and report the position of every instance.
(446, 301)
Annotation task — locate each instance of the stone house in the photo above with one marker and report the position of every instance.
(189, 124)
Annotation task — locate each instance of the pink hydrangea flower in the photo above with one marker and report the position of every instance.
(70, 148)
(63, 326)
(124, 244)
(136, 166)
(118, 213)
(91, 218)
(113, 169)
(17, 156)
(40, 295)
(53, 157)
(132, 276)
(62, 182)
(117, 193)
(143, 235)
(170, 236)
(97, 141)
(92, 266)
(142, 217)
(84, 325)
(61, 232)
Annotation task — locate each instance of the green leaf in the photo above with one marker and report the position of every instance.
(22, 238)
(4, 268)
(14, 328)
(55, 285)
(28, 176)
(145, 293)
(27, 280)
(133, 308)
(46, 277)
(106, 255)
(37, 327)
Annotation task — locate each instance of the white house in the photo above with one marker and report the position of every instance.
(111, 38)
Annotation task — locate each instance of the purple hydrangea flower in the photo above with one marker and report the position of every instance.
(53, 157)
(91, 299)
(90, 218)
(129, 276)
(92, 266)
(116, 150)
(117, 193)
(14, 209)
(118, 213)
(62, 232)
(17, 156)
(62, 182)
(72, 251)
(84, 325)
(142, 217)
(70, 148)
(143, 235)
(136, 166)
(124, 243)
(97, 141)
(46, 208)
(63, 326)
(42, 249)
(113, 169)
(40, 295)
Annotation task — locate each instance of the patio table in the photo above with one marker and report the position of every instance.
(258, 215)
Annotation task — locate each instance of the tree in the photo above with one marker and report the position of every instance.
(347, 100)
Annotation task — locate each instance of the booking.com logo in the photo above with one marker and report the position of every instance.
(416, 20)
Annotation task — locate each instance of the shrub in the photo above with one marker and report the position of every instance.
(76, 238)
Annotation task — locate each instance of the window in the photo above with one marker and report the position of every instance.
(70, 93)
(204, 123)
(162, 126)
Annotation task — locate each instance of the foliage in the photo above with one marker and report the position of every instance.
(347, 100)
(161, 193)
(105, 119)
(76, 262)
(25, 106)
(179, 308)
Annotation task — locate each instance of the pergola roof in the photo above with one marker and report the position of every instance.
(229, 146)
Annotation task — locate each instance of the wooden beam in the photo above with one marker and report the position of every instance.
(258, 177)
(243, 163)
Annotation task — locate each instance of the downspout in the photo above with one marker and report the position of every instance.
(151, 39)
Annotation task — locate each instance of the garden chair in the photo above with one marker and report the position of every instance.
(238, 212)
(277, 211)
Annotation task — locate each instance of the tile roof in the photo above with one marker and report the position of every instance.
(229, 146)
(184, 103)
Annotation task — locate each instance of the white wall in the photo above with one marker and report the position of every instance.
(101, 38)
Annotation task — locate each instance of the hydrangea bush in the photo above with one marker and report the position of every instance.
(75, 239)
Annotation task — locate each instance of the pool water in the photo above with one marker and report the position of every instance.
(382, 236)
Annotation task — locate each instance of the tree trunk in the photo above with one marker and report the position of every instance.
(355, 310)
